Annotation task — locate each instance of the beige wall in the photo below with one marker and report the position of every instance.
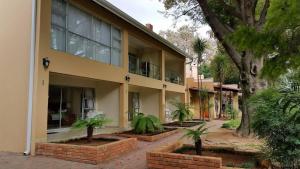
(14, 65)
(15, 32)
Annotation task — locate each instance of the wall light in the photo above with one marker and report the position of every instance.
(46, 62)
(127, 78)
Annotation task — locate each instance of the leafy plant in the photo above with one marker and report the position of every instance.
(90, 123)
(231, 112)
(277, 120)
(142, 124)
(182, 112)
(232, 124)
(196, 134)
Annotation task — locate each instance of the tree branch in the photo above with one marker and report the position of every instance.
(263, 14)
(220, 32)
(231, 10)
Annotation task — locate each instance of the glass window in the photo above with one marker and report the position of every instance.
(58, 36)
(59, 13)
(115, 57)
(84, 35)
(102, 53)
(79, 22)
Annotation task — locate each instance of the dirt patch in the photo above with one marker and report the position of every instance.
(94, 142)
(131, 132)
(230, 159)
(184, 124)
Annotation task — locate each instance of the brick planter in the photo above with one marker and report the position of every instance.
(164, 158)
(149, 138)
(86, 154)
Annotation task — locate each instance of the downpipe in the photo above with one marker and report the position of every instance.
(31, 79)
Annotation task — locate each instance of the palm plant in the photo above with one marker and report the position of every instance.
(182, 112)
(142, 124)
(196, 134)
(199, 47)
(90, 123)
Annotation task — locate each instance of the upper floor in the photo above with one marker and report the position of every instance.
(100, 36)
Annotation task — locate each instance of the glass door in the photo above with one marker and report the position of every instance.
(133, 104)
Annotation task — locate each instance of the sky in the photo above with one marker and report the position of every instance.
(147, 11)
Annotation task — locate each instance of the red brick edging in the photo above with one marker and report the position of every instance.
(149, 138)
(164, 158)
(86, 154)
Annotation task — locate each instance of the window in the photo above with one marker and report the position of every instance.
(81, 34)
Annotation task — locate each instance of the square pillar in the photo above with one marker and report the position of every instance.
(123, 116)
(163, 65)
(162, 106)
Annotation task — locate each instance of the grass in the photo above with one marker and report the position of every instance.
(232, 124)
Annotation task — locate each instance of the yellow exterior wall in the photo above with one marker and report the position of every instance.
(14, 67)
(15, 32)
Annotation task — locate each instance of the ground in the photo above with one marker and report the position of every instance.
(132, 160)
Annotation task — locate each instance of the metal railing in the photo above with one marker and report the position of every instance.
(146, 69)
(174, 77)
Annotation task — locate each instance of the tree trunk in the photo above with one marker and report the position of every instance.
(90, 131)
(199, 101)
(250, 83)
(198, 147)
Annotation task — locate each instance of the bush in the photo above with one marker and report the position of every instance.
(232, 124)
(90, 123)
(276, 119)
(142, 124)
(182, 112)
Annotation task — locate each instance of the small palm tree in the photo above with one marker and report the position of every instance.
(196, 134)
(142, 124)
(90, 123)
(182, 112)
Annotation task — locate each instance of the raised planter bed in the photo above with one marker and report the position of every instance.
(93, 153)
(178, 155)
(149, 137)
(185, 124)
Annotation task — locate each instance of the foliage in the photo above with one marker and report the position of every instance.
(223, 69)
(204, 70)
(277, 120)
(142, 124)
(232, 124)
(278, 42)
(231, 112)
(182, 112)
(196, 134)
(96, 121)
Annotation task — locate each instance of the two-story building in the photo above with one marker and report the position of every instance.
(63, 58)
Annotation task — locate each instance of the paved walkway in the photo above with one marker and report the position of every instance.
(132, 160)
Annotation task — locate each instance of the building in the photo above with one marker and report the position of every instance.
(63, 58)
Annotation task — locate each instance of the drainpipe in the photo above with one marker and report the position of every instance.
(31, 79)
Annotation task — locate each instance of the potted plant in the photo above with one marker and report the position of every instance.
(90, 123)
(142, 124)
(196, 134)
(182, 112)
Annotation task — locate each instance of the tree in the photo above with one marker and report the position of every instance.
(199, 47)
(90, 123)
(196, 134)
(225, 18)
(205, 70)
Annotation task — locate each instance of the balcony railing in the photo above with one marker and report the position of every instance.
(174, 77)
(146, 69)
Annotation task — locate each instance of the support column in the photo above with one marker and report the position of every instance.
(235, 101)
(163, 65)
(123, 116)
(162, 106)
(212, 107)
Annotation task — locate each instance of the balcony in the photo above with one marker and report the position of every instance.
(143, 68)
(174, 77)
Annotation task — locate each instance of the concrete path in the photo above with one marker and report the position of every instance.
(132, 160)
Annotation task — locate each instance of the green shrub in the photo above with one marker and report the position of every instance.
(90, 123)
(182, 112)
(232, 124)
(142, 124)
(276, 119)
(196, 134)
(231, 112)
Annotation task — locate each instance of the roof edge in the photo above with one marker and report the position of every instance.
(113, 9)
